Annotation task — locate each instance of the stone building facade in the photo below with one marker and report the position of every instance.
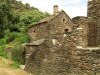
(47, 40)
(59, 46)
(55, 24)
(48, 57)
(94, 14)
(80, 30)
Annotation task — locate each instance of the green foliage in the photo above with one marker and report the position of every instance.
(27, 6)
(14, 65)
(15, 38)
(3, 41)
(8, 38)
(18, 54)
(23, 38)
(2, 53)
(30, 18)
(5, 16)
(18, 50)
(17, 17)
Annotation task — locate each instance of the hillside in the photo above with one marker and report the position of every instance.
(18, 5)
(15, 19)
(16, 16)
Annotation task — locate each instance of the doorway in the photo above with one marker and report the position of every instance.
(92, 34)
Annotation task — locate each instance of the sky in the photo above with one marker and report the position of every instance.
(71, 7)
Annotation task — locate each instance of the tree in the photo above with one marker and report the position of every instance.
(15, 16)
(5, 16)
(27, 6)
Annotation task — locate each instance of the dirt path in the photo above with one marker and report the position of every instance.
(6, 70)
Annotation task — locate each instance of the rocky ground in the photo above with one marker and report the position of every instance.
(5, 69)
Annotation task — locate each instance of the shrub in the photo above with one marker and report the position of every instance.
(2, 53)
(19, 37)
(23, 38)
(14, 65)
(11, 36)
(14, 39)
(18, 54)
(3, 41)
(8, 38)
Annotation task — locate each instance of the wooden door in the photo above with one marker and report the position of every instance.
(92, 34)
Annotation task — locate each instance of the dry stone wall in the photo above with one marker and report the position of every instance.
(94, 13)
(89, 61)
(57, 24)
(80, 30)
(58, 55)
(38, 31)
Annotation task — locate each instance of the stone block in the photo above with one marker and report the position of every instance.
(84, 74)
(97, 73)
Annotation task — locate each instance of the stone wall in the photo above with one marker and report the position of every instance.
(80, 30)
(38, 31)
(94, 9)
(94, 13)
(49, 58)
(58, 55)
(58, 24)
(88, 61)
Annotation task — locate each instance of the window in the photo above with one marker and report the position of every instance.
(34, 31)
(66, 30)
(90, 0)
(63, 20)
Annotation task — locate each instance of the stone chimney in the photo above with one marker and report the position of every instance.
(55, 9)
(90, 0)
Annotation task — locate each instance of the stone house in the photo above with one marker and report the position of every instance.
(57, 23)
(47, 40)
(51, 40)
(56, 46)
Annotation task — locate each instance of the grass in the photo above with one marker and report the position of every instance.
(8, 67)
(14, 37)
(14, 40)
(14, 65)
(2, 53)
(18, 54)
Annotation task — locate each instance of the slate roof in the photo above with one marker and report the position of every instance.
(47, 19)
(37, 42)
(79, 17)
